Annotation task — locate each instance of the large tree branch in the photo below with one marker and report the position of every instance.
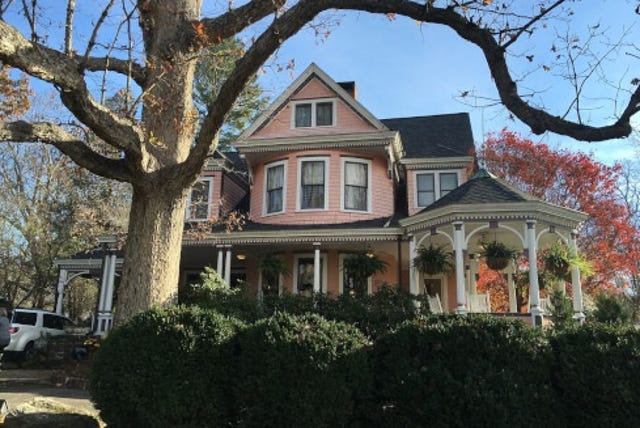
(126, 68)
(76, 149)
(65, 73)
(304, 11)
(236, 20)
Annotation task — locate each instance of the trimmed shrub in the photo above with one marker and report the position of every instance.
(299, 371)
(596, 373)
(453, 371)
(165, 368)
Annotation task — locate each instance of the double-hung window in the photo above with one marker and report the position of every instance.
(433, 186)
(199, 206)
(356, 179)
(274, 188)
(313, 113)
(313, 180)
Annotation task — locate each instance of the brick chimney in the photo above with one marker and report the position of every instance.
(350, 87)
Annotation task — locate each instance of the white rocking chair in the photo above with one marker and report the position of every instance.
(479, 303)
(435, 305)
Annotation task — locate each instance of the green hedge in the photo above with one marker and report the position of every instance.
(453, 371)
(596, 373)
(165, 368)
(299, 371)
(194, 367)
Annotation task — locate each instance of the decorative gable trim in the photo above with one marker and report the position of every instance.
(436, 163)
(333, 141)
(283, 99)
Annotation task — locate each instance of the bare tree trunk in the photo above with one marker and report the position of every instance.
(150, 272)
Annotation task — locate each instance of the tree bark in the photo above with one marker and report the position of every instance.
(152, 263)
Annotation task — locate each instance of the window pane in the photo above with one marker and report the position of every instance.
(275, 183)
(448, 182)
(426, 189)
(355, 186)
(303, 115)
(324, 114)
(355, 198)
(199, 203)
(425, 198)
(425, 183)
(312, 185)
(355, 174)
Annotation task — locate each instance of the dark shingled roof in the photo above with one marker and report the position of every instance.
(482, 188)
(444, 135)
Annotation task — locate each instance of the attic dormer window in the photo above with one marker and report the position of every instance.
(314, 113)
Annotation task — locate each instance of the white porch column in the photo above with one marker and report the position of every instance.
(103, 318)
(413, 272)
(513, 301)
(103, 283)
(575, 280)
(227, 266)
(111, 278)
(458, 246)
(62, 283)
(219, 266)
(316, 267)
(534, 287)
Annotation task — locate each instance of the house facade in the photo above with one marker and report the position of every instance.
(326, 179)
(318, 179)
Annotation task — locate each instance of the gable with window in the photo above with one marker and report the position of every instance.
(199, 206)
(274, 188)
(356, 178)
(313, 114)
(312, 177)
(431, 186)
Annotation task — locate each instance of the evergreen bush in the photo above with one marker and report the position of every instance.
(165, 368)
(452, 371)
(300, 371)
(596, 375)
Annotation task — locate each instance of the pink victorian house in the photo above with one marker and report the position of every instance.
(325, 178)
(321, 178)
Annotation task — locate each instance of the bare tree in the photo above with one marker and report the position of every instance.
(161, 150)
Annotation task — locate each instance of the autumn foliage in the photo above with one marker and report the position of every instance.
(573, 180)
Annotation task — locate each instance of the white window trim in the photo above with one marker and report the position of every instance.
(436, 183)
(324, 159)
(284, 188)
(323, 262)
(209, 201)
(341, 258)
(313, 113)
(369, 164)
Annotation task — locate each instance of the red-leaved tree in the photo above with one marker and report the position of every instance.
(573, 180)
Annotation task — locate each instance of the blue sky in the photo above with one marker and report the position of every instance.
(405, 69)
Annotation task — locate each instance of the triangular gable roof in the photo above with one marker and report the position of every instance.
(312, 71)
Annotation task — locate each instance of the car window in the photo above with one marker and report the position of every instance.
(53, 321)
(25, 318)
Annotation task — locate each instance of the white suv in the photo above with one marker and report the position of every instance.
(28, 326)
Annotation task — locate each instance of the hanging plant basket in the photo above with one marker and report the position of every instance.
(433, 260)
(497, 255)
(497, 263)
